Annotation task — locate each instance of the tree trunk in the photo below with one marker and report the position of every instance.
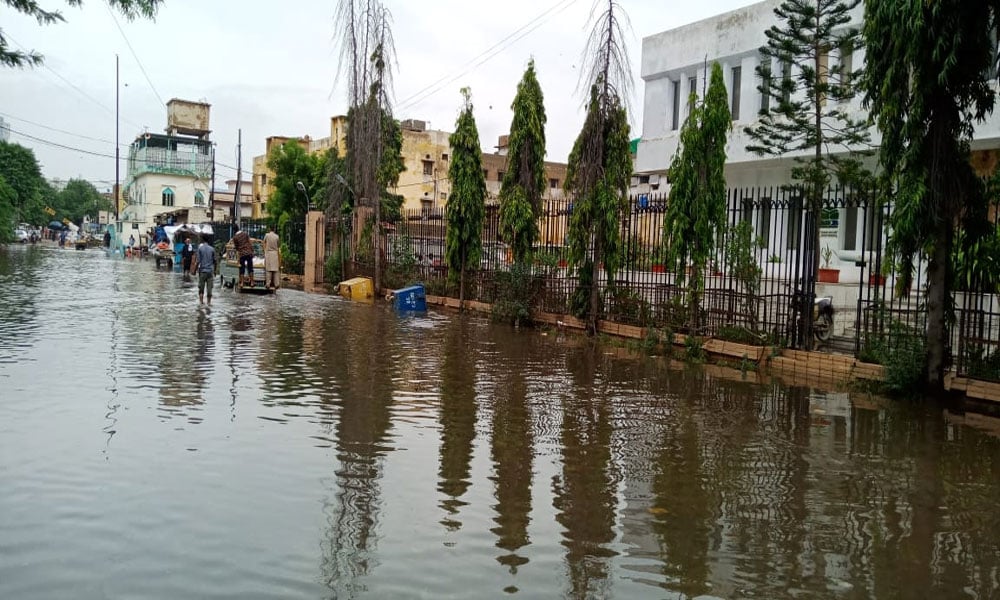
(937, 289)
(461, 284)
(595, 289)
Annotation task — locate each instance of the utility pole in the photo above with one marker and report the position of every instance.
(239, 175)
(117, 193)
(211, 190)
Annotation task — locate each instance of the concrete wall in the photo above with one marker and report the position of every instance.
(673, 57)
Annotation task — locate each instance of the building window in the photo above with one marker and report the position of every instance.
(428, 167)
(765, 85)
(846, 70)
(675, 106)
(500, 175)
(486, 174)
(444, 156)
(263, 179)
(553, 183)
(692, 91)
(643, 179)
(443, 196)
(737, 81)
(199, 198)
(167, 197)
(786, 82)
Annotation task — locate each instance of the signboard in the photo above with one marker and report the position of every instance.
(50, 211)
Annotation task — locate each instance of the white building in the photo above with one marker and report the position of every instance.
(169, 175)
(674, 64)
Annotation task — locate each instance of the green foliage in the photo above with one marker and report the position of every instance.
(981, 364)
(20, 169)
(7, 222)
(80, 198)
(466, 206)
(743, 268)
(332, 269)
(627, 306)
(291, 164)
(403, 269)
(290, 261)
(598, 173)
(517, 294)
(807, 104)
(694, 348)
(524, 181)
(16, 58)
(696, 208)
(926, 81)
(902, 351)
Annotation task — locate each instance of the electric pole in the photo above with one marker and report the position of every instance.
(239, 175)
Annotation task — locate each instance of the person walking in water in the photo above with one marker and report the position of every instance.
(272, 258)
(244, 250)
(206, 264)
(187, 255)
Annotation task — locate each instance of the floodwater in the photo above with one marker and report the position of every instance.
(301, 446)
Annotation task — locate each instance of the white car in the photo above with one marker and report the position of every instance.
(22, 236)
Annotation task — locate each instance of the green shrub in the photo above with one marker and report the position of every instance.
(902, 350)
(627, 306)
(694, 348)
(290, 261)
(516, 293)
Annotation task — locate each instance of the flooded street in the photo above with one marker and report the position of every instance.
(301, 446)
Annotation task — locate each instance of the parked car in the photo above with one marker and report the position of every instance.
(22, 236)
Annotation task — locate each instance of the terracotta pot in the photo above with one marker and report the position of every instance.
(659, 269)
(563, 264)
(876, 279)
(828, 275)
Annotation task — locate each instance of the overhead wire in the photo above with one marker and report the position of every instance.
(487, 54)
(134, 55)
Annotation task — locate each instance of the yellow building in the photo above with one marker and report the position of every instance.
(263, 176)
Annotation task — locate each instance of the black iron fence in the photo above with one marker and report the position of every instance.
(759, 286)
(292, 234)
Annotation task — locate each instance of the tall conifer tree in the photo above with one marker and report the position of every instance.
(600, 163)
(696, 208)
(467, 202)
(524, 180)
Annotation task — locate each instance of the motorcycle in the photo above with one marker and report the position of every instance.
(822, 316)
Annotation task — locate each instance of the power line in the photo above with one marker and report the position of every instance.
(487, 54)
(134, 55)
(72, 85)
(63, 146)
(56, 129)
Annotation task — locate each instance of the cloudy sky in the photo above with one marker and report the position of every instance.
(269, 68)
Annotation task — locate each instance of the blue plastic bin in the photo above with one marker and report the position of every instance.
(410, 299)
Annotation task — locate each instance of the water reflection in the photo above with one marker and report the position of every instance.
(584, 494)
(444, 456)
(458, 419)
(512, 448)
(350, 548)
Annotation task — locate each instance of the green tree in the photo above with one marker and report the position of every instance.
(466, 205)
(19, 168)
(926, 80)
(17, 58)
(524, 181)
(80, 198)
(600, 164)
(291, 164)
(7, 222)
(806, 103)
(696, 208)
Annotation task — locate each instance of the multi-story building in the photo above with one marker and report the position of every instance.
(263, 176)
(224, 200)
(169, 175)
(674, 66)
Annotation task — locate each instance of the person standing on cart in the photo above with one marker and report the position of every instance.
(244, 250)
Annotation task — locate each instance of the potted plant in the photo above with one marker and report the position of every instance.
(826, 274)
(659, 268)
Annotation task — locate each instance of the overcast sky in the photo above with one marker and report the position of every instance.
(269, 68)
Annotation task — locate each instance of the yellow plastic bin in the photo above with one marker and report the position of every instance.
(359, 289)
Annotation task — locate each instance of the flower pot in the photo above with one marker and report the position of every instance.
(659, 269)
(562, 263)
(876, 279)
(829, 275)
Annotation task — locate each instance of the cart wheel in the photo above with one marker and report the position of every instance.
(170, 264)
(823, 328)
(157, 263)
